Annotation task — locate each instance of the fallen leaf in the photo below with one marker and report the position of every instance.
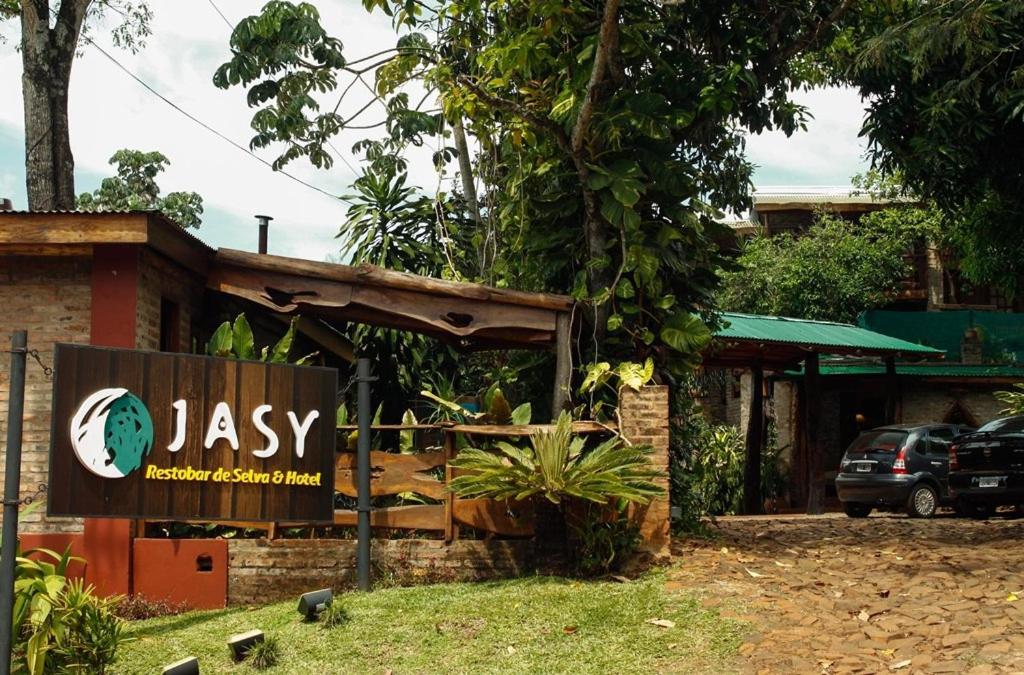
(1012, 597)
(670, 645)
(569, 630)
(782, 564)
(510, 649)
(883, 594)
(621, 579)
(756, 575)
(664, 623)
(863, 616)
(899, 664)
(724, 550)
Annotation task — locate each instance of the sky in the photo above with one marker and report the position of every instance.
(109, 110)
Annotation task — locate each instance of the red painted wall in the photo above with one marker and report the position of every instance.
(168, 569)
(115, 284)
(57, 542)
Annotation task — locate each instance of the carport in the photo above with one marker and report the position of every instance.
(775, 344)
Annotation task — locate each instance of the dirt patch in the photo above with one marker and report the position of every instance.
(884, 594)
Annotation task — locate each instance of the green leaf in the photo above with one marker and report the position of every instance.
(597, 374)
(221, 341)
(279, 354)
(522, 413)
(686, 333)
(242, 341)
(614, 322)
(406, 437)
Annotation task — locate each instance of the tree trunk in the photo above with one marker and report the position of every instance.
(47, 55)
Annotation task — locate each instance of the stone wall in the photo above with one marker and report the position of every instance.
(262, 571)
(51, 298)
(927, 402)
(643, 417)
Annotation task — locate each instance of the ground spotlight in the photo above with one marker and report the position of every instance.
(314, 602)
(187, 666)
(241, 644)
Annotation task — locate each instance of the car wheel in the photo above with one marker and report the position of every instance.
(977, 510)
(856, 510)
(923, 501)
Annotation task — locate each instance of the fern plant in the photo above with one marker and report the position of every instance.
(555, 467)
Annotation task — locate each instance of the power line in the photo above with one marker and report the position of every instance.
(217, 9)
(231, 28)
(202, 123)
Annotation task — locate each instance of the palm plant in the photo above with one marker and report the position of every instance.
(554, 469)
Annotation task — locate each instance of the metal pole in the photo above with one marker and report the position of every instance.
(363, 380)
(12, 490)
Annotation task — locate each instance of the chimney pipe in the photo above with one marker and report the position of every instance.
(6, 204)
(264, 222)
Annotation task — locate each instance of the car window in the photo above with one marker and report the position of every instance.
(878, 441)
(1005, 425)
(939, 441)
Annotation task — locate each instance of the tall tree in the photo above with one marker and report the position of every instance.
(945, 85)
(50, 37)
(134, 187)
(611, 132)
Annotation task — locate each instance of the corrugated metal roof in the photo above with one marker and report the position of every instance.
(782, 330)
(819, 194)
(923, 370)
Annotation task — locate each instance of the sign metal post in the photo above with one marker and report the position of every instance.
(12, 490)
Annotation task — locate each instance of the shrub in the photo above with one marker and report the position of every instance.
(139, 607)
(707, 462)
(266, 654)
(603, 545)
(334, 615)
(59, 625)
(92, 632)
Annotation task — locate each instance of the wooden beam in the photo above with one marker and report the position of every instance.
(323, 335)
(752, 502)
(370, 275)
(582, 427)
(815, 449)
(563, 366)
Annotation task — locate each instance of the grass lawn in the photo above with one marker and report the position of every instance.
(533, 625)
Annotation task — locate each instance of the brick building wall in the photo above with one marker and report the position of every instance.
(643, 416)
(162, 281)
(261, 571)
(50, 297)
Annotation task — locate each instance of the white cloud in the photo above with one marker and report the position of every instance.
(828, 152)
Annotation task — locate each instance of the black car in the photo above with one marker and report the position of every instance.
(899, 466)
(987, 467)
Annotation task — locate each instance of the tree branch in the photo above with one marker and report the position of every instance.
(533, 118)
(606, 39)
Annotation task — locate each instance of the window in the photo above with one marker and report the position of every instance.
(939, 441)
(170, 326)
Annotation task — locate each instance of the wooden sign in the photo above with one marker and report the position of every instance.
(164, 436)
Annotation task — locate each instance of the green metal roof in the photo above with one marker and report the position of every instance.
(921, 370)
(822, 334)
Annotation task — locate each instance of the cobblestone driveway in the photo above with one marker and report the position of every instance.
(885, 594)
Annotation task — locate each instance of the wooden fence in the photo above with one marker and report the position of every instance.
(425, 472)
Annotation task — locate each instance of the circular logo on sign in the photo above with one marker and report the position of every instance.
(112, 432)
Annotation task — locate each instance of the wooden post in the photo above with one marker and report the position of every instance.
(752, 502)
(815, 451)
(563, 365)
(449, 498)
(891, 390)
